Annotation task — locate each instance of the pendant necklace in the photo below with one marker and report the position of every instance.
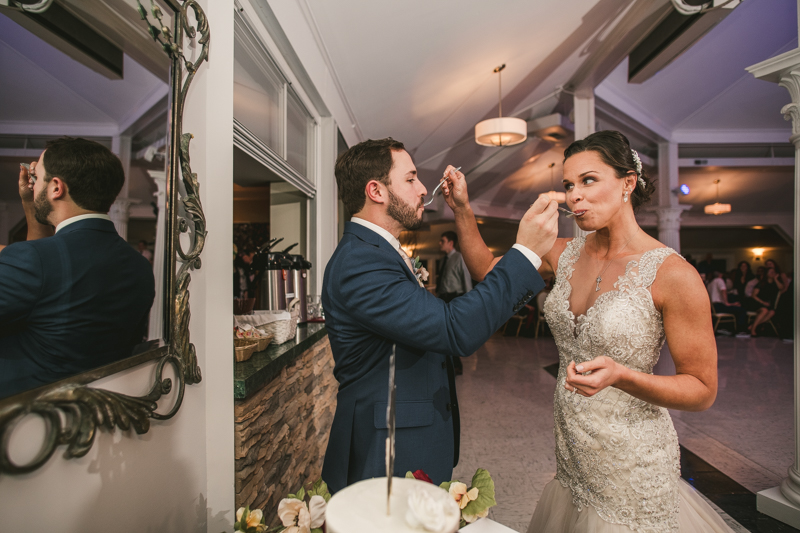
(600, 275)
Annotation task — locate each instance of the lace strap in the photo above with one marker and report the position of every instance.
(650, 262)
(568, 257)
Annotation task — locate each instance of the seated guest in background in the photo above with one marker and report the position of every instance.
(718, 293)
(765, 293)
(78, 299)
(781, 279)
(733, 295)
(706, 266)
(784, 312)
(741, 275)
(749, 303)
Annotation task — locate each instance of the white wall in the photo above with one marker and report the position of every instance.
(179, 476)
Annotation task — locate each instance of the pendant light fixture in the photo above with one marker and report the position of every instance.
(501, 131)
(553, 194)
(717, 208)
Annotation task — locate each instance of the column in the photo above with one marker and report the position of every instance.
(669, 225)
(669, 210)
(155, 329)
(783, 503)
(119, 213)
(583, 111)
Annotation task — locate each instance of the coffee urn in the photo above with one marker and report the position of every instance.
(276, 268)
(300, 269)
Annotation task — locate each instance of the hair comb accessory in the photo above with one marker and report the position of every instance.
(638, 163)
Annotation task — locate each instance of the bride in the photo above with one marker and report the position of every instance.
(618, 294)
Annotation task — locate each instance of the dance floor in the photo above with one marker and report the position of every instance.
(742, 445)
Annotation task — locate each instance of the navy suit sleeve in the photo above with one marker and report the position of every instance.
(20, 283)
(379, 294)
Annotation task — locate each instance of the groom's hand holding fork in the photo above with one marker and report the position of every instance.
(538, 228)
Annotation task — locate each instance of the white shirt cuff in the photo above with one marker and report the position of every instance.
(535, 260)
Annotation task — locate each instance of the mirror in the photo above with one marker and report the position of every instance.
(115, 75)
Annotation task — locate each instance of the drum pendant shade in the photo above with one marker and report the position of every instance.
(501, 131)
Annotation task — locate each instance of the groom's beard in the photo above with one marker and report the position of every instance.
(42, 208)
(403, 213)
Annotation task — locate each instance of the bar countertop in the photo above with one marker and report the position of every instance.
(252, 375)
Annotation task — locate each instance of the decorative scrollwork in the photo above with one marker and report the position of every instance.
(74, 412)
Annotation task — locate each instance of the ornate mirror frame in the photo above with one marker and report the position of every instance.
(71, 410)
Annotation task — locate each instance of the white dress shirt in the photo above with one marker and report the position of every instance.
(65, 223)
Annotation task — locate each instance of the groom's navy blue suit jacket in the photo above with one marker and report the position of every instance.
(371, 301)
(70, 303)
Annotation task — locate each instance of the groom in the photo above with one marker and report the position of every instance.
(373, 300)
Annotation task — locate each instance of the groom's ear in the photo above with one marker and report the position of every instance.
(376, 192)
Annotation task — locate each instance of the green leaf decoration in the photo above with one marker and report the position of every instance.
(301, 494)
(482, 481)
(462, 524)
(409, 475)
(292, 497)
(154, 32)
(142, 12)
(316, 530)
(446, 485)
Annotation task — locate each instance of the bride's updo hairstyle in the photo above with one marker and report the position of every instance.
(615, 151)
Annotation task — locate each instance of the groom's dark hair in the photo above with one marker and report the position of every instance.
(366, 161)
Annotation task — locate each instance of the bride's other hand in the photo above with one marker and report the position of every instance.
(454, 189)
(602, 372)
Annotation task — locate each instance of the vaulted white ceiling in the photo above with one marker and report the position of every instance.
(421, 72)
(43, 86)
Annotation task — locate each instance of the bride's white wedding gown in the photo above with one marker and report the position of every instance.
(618, 464)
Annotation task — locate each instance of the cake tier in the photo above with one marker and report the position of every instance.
(361, 508)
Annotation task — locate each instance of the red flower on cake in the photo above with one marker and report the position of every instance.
(422, 476)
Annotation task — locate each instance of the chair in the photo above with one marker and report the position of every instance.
(521, 320)
(719, 318)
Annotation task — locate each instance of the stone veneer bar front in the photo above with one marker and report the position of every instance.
(285, 398)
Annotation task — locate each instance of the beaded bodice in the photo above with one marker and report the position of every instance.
(614, 452)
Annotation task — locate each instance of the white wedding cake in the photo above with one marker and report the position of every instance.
(415, 506)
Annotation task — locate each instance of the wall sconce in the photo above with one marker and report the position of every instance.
(758, 253)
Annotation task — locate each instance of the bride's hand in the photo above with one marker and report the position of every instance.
(454, 189)
(602, 372)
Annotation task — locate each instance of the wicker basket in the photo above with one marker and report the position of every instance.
(284, 330)
(243, 349)
(263, 342)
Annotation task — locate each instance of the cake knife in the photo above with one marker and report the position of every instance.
(390, 425)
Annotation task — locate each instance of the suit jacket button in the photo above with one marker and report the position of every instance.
(448, 407)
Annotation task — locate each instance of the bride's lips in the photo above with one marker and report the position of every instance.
(579, 212)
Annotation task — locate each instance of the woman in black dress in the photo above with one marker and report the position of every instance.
(765, 294)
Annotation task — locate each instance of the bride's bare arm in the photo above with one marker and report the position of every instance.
(477, 256)
(683, 301)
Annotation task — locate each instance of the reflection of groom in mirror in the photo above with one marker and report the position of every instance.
(372, 300)
(78, 299)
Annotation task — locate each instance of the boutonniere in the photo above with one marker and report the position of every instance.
(420, 272)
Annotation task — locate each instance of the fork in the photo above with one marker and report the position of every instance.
(433, 194)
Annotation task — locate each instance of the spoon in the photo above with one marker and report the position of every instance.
(433, 194)
(569, 213)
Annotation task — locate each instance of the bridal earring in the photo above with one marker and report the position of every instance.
(625, 197)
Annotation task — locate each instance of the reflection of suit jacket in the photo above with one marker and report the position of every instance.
(371, 301)
(69, 303)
